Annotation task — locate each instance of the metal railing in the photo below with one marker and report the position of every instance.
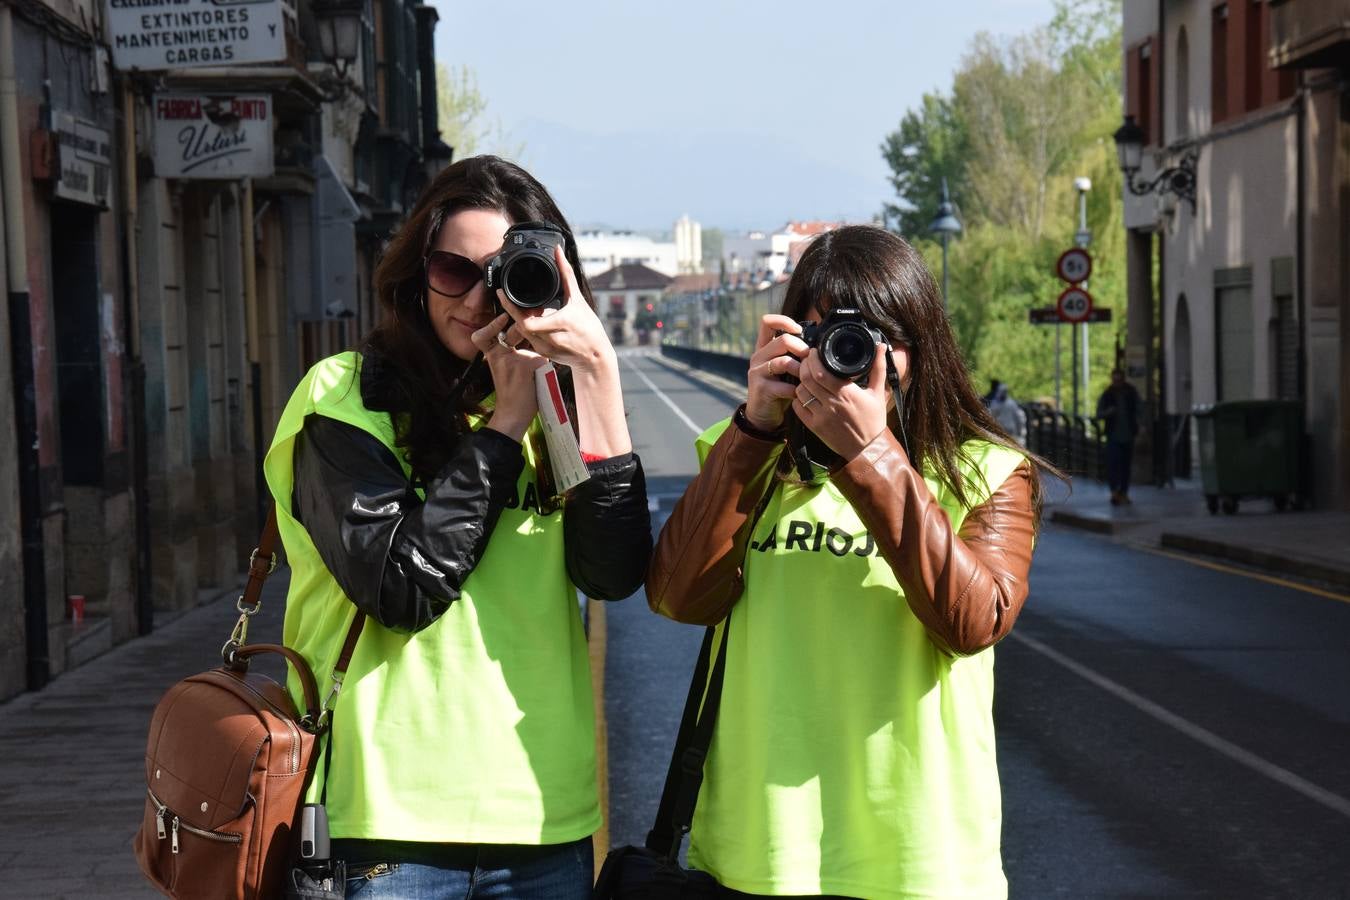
(1074, 444)
(716, 330)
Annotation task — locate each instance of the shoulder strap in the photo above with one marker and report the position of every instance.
(675, 814)
(262, 562)
(685, 775)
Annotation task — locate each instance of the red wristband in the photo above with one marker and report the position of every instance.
(589, 458)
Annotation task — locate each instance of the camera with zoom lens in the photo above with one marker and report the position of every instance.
(847, 343)
(524, 269)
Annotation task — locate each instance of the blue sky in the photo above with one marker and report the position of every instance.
(741, 114)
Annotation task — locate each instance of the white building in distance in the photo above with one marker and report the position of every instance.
(771, 254)
(688, 246)
(601, 251)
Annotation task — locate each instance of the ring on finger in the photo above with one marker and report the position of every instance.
(501, 339)
(812, 398)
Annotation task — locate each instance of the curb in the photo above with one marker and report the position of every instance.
(1297, 566)
(1087, 523)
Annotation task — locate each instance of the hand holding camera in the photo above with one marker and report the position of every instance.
(538, 289)
(532, 274)
(773, 370)
(842, 412)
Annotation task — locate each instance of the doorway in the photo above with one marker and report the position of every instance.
(79, 364)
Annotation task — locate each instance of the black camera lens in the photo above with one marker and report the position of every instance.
(848, 350)
(530, 281)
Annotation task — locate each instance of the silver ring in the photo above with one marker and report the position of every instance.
(809, 400)
(501, 339)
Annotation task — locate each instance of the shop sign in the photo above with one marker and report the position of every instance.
(84, 160)
(213, 135)
(185, 34)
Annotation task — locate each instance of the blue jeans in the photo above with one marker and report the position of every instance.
(413, 871)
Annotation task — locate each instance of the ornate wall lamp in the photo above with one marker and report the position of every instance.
(1178, 180)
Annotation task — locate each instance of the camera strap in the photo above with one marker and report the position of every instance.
(893, 379)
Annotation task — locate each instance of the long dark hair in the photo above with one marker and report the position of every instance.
(879, 274)
(406, 370)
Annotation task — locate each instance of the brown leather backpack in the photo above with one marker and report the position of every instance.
(227, 763)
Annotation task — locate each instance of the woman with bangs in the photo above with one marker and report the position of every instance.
(861, 544)
(413, 489)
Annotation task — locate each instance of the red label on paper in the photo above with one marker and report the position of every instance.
(556, 395)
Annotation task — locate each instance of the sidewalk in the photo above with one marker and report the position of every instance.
(1312, 545)
(73, 782)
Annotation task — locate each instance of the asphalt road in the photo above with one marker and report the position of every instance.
(1165, 730)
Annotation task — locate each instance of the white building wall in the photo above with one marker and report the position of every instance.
(601, 251)
(1240, 221)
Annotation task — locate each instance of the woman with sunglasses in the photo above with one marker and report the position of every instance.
(412, 485)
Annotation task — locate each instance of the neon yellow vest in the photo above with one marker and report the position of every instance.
(479, 728)
(850, 756)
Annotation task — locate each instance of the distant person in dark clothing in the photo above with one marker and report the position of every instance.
(994, 385)
(1119, 406)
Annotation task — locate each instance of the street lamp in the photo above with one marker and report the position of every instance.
(340, 24)
(1178, 180)
(945, 225)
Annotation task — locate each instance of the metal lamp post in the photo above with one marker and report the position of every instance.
(945, 225)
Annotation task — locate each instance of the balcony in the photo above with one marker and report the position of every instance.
(1309, 33)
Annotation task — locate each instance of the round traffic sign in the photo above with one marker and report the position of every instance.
(1074, 266)
(1075, 305)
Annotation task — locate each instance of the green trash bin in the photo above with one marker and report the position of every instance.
(1250, 448)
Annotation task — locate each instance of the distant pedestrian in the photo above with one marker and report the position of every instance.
(412, 485)
(994, 385)
(1009, 414)
(853, 752)
(1119, 406)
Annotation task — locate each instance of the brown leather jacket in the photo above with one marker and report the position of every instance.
(966, 587)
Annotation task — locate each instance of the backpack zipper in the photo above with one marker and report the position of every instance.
(164, 812)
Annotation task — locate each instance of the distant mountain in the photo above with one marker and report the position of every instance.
(735, 181)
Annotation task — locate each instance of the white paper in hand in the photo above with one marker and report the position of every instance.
(569, 470)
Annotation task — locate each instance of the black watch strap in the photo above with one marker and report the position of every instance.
(740, 421)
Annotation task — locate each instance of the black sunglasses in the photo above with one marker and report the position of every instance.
(450, 274)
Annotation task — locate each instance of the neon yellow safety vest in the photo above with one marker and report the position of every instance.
(850, 756)
(479, 728)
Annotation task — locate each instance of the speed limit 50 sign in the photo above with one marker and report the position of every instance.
(1074, 265)
(1075, 305)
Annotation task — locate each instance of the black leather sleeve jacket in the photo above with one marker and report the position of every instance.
(403, 560)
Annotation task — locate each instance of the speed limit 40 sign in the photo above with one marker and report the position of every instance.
(1075, 305)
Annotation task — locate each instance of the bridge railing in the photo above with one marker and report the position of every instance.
(1075, 444)
(716, 330)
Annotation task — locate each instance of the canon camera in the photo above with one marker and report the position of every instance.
(846, 341)
(524, 269)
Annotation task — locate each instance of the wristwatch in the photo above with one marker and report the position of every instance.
(740, 421)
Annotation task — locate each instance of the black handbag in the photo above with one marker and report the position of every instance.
(653, 871)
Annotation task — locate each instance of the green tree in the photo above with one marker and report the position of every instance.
(1023, 118)
(930, 144)
(464, 121)
(712, 240)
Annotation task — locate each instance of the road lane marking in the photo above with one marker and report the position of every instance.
(664, 399)
(1246, 573)
(1195, 732)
